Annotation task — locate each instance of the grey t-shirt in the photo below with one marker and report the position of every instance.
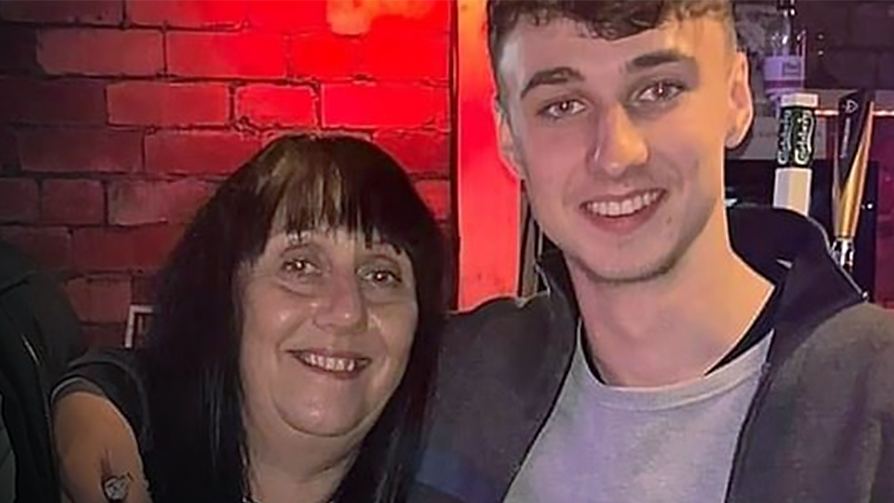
(7, 464)
(670, 444)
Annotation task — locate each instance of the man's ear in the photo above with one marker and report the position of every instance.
(508, 147)
(741, 102)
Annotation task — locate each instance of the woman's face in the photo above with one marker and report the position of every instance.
(328, 324)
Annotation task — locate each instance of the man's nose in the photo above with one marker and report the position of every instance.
(618, 144)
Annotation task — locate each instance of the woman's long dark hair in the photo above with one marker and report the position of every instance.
(196, 452)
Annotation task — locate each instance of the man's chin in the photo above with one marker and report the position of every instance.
(629, 273)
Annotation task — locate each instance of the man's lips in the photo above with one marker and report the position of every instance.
(621, 215)
(623, 205)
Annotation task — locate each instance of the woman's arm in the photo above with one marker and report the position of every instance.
(98, 405)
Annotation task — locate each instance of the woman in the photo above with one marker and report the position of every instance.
(294, 334)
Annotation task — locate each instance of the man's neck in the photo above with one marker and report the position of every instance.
(674, 328)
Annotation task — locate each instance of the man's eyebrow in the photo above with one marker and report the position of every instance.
(658, 58)
(565, 74)
(551, 76)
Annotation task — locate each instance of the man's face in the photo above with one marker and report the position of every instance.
(621, 143)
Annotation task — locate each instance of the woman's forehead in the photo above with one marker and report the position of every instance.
(337, 234)
(355, 238)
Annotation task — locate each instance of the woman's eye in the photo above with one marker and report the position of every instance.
(300, 267)
(561, 109)
(382, 277)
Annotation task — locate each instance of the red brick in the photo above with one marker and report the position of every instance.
(226, 55)
(266, 105)
(50, 247)
(105, 12)
(101, 52)
(430, 57)
(383, 105)
(436, 193)
(143, 288)
(198, 152)
(420, 152)
(187, 13)
(81, 150)
(75, 202)
(18, 200)
(274, 134)
(413, 18)
(100, 299)
(123, 249)
(67, 101)
(18, 54)
(325, 56)
(288, 16)
(164, 104)
(138, 203)
(9, 149)
(105, 335)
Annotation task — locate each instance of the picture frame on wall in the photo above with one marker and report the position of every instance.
(138, 318)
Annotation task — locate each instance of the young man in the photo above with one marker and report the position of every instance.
(683, 353)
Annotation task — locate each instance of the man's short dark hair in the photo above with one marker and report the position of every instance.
(609, 19)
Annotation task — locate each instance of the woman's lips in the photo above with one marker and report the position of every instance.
(339, 364)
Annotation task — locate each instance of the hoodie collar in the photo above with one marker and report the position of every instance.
(814, 286)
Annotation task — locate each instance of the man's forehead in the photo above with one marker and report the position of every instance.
(531, 44)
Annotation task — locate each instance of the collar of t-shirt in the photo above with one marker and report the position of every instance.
(761, 328)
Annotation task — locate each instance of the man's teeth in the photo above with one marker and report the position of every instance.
(623, 208)
(331, 363)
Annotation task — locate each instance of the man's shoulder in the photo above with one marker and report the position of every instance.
(852, 352)
(498, 319)
(502, 338)
(864, 329)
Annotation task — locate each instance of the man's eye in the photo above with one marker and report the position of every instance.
(561, 109)
(660, 92)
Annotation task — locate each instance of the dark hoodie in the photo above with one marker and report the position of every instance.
(820, 428)
(39, 334)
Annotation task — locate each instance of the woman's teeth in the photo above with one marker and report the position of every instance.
(624, 207)
(333, 363)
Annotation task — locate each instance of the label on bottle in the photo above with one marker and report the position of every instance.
(797, 128)
(783, 74)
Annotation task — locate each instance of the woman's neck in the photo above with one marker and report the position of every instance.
(297, 469)
(272, 484)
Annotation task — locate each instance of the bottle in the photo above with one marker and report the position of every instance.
(784, 67)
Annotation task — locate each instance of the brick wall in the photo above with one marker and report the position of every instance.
(119, 117)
